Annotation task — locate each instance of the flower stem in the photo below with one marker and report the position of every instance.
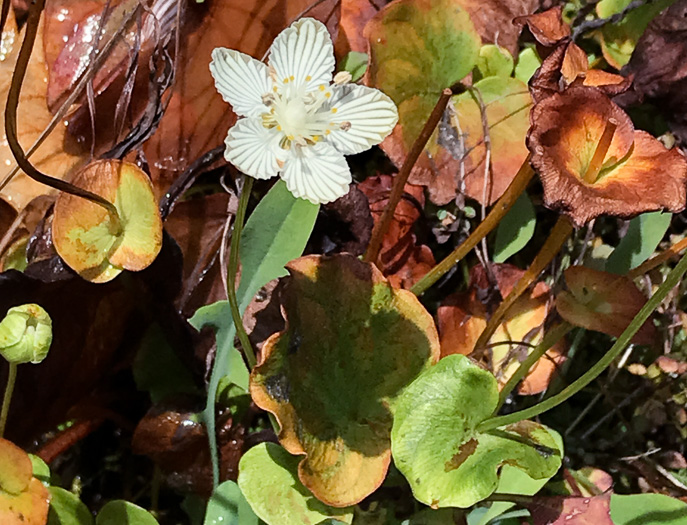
(400, 180)
(592, 173)
(561, 231)
(658, 260)
(551, 338)
(233, 270)
(671, 281)
(11, 378)
(504, 204)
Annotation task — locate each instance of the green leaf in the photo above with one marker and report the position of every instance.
(120, 512)
(515, 230)
(275, 233)
(268, 480)
(494, 61)
(228, 506)
(352, 343)
(642, 237)
(355, 63)
(157, 368)
(67, 509)
(618, 40)
(436, 446)
(417, 49)
(41, 470)
(528, 63)
(647, 509)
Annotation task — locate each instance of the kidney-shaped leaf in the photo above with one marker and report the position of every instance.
(351, 345)
(436, 445)
(85, 235)
(15, 468)
(120, 511)
(638, 173)
(269, 481)
(647, 509)
(603, 302)
(23, 499)
(417, 49)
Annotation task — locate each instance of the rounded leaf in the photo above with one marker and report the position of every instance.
(67, 509)
(352, 343)
(436, 445)
(88, 238)
(268, 479)
(16, 469)
(25, 334)
(119, 511)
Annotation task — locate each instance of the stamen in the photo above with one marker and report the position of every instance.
(285, 143)
(342, 77)
(345, 126)
(268, 99)
(334, 110)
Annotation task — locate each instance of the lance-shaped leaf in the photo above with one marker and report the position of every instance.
(437, 447)
(638, 173)
(603, 302)
(417, 49)
(352, 343)
(23, 499)
(87, 237)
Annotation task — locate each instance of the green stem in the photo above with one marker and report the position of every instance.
(233, 270)
(671, 281)
(11, 378)
(551, 338)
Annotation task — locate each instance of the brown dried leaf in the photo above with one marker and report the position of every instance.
(547, 27)
(562, 510)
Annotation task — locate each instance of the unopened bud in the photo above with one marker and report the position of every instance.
(25, 334)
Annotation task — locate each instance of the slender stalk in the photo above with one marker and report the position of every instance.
(592, 173)
(400, 180)
(233, 270)
(11, 379)
(11, 122)
(561, 231)
(551, 338)
(504, 204)
(671, 281)
(662, 257)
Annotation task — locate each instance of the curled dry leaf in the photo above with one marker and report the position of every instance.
(571, 510)
(547, 27)
(638, 173)
(602, 302)
(352, 343)
(60, 152)
(87, 237)
(402, 259)
(462, 318)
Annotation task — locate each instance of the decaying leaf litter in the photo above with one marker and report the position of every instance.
(354, 261)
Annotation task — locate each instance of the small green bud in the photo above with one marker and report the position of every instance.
(25, 334)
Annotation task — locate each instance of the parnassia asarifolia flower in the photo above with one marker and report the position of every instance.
(299, 124)
(25, 334)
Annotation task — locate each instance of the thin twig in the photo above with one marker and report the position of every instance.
(613, 19)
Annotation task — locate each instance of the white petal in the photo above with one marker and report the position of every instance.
(317, 173)
(254, 149)
(241, 80)
(303, 51)
(371, 115)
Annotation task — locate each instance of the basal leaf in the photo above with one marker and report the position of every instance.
(515, 230)
(67, 509)
(647, 509)
(494, 61)
(119, 511)
(436, 445)
(642, 237)
(228, 506)
(268, 478)
(352, 343)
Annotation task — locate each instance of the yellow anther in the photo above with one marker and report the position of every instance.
(327, 132)
(327, 94)
(274, 89)
(334, 110)
(321, 88)
(278, 128)
(286, 80)
(291, 78)
(308, 78)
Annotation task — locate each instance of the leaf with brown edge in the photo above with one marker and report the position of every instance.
(86, 236)
(571, 510)
(638, 173)
(507, 104)
(603, 302)
(352, 343)
(24, 500)
(462, 318)
(60, 153)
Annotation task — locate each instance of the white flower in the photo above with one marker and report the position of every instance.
(297, 123)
